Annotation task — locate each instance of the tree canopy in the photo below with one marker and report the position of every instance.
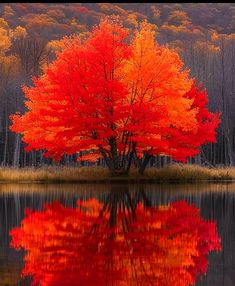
(117, 95)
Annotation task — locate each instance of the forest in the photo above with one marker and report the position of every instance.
(202, 33)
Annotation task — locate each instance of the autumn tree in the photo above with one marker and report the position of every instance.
(102, 243)
(119, 96)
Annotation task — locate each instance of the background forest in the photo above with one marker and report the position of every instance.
(203, 34)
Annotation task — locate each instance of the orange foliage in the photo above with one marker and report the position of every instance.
(8, 12)
(38, 21)
(118, 95)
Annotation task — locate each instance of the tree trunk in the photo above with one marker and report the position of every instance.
(144, 163)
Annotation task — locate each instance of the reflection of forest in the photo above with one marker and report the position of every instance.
(122, 241)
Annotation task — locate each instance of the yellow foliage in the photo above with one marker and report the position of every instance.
(55, 45)
(5, 41)
(3, 24)
(39, 20)
(18, 32)
(58, 45)
(9, 64)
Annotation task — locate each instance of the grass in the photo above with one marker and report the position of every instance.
(181, 172)
(171, 173)
(54, 174)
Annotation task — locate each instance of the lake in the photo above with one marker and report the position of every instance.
(146, 234)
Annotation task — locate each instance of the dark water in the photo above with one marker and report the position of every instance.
(215, 204)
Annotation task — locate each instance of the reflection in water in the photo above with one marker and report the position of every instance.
(122, 241)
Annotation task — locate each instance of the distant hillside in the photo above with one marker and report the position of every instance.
(55, 20)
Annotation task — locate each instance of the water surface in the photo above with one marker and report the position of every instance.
(214, 202)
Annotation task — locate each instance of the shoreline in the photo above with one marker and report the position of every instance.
(171, 174)
(143, 181)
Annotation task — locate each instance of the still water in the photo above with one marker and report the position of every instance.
(147, 234)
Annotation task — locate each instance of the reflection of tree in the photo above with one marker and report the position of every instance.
(120, 242)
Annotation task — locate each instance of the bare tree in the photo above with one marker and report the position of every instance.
(32, 52)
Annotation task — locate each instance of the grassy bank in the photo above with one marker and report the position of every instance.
(172, 173)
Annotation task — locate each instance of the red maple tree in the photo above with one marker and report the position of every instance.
(116, 95)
